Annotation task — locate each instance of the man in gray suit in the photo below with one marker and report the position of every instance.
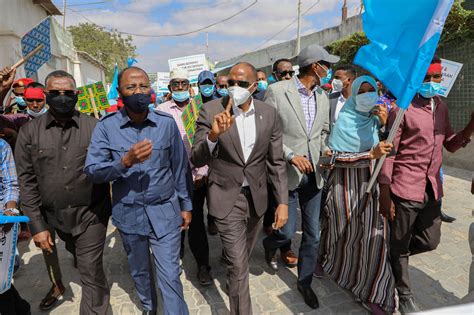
(341, 90)
(304, 112)
(240, 139)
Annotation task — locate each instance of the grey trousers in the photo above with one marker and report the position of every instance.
(88, 248)
(238, 232)
(416, 229)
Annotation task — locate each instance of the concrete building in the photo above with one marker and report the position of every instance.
(17, 17)
(264, 58)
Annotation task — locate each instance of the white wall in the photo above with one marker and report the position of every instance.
(17, 17)
(88, 72)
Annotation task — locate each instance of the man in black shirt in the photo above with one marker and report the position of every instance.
(58, 197)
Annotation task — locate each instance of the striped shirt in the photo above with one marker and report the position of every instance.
(9, 190)
(171, 108)
(308, 102)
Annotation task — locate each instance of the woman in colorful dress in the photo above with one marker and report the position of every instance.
(355, 236)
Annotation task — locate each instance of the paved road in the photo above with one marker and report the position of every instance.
(440, 278)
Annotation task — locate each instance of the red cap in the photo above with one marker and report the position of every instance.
(22, 82)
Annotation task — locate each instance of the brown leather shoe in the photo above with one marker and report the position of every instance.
(289, 258)
(54, 295)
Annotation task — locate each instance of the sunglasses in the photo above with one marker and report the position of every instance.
(242, 84)
(59, 92)
(285, 73)
(177, 84)
(17, 94)
(32, 100)
(222, 86)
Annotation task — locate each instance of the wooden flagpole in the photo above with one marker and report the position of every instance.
(25, 58)
(94, 107)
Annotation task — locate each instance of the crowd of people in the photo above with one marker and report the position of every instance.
(302, 146)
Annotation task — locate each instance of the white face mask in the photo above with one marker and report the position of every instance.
(366, 102)
(239, 95)
(337, 85)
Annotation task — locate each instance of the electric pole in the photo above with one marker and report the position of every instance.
(64, 13)
(297, 50)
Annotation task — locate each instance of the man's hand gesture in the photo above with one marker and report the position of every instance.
(138, 153)
(222, 122)
(7, 76)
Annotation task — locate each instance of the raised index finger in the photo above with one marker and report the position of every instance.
(230, 103)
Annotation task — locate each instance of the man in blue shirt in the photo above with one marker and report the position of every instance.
(141, 152)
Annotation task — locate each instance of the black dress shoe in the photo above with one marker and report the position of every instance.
(407, 305)
(51, 299)
(149, 313)
(446, 218)
(204, 276)
(309, 296)
(271, 259)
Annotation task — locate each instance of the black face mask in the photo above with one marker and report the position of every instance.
(62, 105)
(137, 103)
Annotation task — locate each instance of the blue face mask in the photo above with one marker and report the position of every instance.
(366, 102)
(206, 90)
(180, 96)
(20, 101)
(327, 78)
(430, 89)
(36, 114)
(262, 85)
(223, 92)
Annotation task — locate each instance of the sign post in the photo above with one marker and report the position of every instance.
(193, 64)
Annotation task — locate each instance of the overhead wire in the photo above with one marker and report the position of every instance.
(175, 34)
(284, 28)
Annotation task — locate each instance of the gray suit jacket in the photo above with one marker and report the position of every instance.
(284, 96)
(333, 97)
(227, 168)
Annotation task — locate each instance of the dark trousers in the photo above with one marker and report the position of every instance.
(309, 198)
(416, 229)
(197, 235)
(277, 241)
(11, 303)
(89, 249)
(166, 261)
(51, 259)
(238, 232)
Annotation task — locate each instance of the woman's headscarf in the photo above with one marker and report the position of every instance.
(355, 131)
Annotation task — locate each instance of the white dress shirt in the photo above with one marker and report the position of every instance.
(340, 103)
(245, 123)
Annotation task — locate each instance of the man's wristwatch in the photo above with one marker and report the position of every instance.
(290, 157)
(15, 211)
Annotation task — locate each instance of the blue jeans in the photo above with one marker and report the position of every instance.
(309, 197)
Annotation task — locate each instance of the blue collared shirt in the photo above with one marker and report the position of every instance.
(148, 195)
(308, 102)
(9, 190)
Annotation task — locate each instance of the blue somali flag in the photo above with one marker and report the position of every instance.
(40, 34)
(113, 93)
(403, 38)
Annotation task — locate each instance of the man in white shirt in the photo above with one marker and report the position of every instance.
(240, 139)
(341, 90)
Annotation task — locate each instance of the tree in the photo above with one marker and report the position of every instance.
(459, 27)
(108, 47)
